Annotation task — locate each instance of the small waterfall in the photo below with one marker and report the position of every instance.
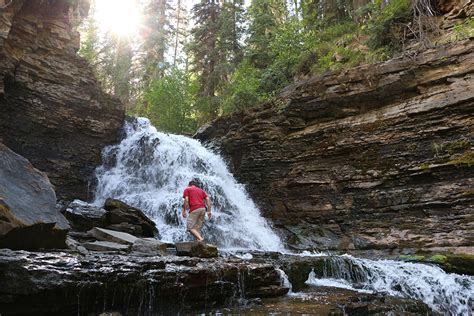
(150, 170)
(445, 293)
(285, 281)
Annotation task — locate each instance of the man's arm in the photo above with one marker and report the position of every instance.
(185, 206)
(208, 202)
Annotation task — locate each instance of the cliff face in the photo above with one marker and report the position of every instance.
(52, 110)
(379, 156)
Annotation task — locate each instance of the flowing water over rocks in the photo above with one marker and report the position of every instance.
(149, 170)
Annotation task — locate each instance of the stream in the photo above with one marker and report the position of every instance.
(150, 169)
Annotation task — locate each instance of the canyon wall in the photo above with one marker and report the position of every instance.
(375, 157)
(52, 110)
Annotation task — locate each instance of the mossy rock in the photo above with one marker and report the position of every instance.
(415, 258)
(461, 263)
(440, 259)
(452, 263)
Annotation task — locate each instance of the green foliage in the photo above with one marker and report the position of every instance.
(237, 58)
(243, 89)
(170, 102)
(384, 29)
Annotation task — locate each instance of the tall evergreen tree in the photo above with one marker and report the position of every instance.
(264, 17)
(216, 48)
(154, 44)
(205, 55)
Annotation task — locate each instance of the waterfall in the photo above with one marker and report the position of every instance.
(149, 170)
(285, 281)
(445, 293)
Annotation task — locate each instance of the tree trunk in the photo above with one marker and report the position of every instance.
(177, 33)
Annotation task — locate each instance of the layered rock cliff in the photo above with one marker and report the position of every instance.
(52, 111)
(380, 156)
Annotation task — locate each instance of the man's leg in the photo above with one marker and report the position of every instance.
(195, 221)
(196, 234)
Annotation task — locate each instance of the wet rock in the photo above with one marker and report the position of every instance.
(112, 236)
(268, 291)
(461, 263)
(76, 246)
(149, 247)
(126, 218)
(28, 215)
(83, 216)
(132, 285)
(106, 246)
(196, 249)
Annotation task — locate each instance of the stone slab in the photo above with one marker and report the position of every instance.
(112, 236)
(105, 246)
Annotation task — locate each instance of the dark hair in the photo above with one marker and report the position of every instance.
(194, 182)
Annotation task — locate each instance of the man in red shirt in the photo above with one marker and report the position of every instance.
(194, 199)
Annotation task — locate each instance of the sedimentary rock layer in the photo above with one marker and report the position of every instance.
(65, 284)
(379, 156)
(52, 110)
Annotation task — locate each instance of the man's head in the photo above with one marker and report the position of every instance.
(194, 182)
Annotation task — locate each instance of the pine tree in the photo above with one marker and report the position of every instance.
(264, 17)
(205, 55)
(154, 44)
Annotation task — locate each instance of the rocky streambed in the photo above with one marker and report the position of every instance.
(65, 282)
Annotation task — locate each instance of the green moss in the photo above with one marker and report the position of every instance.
(441, 259)
(464, 30)
(412, 257)
(469, 192)
(424, 166)
(467, 159)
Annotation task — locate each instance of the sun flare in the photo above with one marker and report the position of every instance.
(121, 17)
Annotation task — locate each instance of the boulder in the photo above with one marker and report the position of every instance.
(123, 217)
(28, 215)
(149, 247)
(196, 249)
(112, 236)
(83, 216)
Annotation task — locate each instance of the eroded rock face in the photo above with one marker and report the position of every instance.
(376, 157)
(28, 215)
(52, 110)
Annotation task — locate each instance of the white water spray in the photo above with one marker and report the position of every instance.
(149, 170)
(446, 293)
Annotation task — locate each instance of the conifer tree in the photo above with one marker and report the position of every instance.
(264, 17)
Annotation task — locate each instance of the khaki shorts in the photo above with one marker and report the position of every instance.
(196, 219)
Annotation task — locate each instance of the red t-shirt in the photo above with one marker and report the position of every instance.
(196, 197)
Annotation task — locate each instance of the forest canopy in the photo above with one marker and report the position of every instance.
(184, 63)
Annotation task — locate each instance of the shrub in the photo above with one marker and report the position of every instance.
(386, 27)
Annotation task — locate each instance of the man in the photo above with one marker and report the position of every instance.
(194, 199)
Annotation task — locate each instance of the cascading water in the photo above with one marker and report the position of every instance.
(149, 170)
(446, 293)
